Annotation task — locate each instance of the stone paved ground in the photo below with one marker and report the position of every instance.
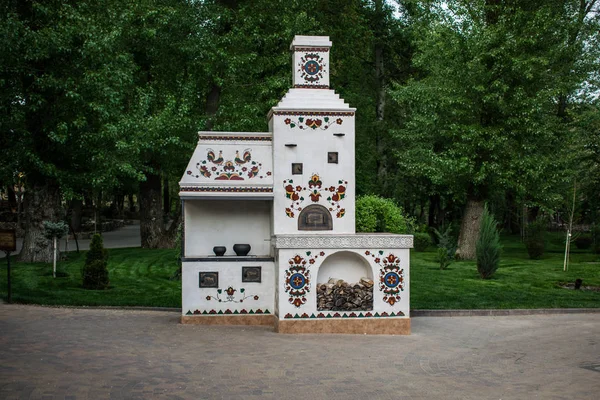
(49, 353)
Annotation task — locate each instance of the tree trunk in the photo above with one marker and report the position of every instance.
(131, 202)
(166, 197)
(152, 228)
(469, 229)
(42, 203)
(433, 219)
(76, 214)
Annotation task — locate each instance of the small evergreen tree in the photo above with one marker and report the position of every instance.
(488, 247)
(95, 270)
(446, 250)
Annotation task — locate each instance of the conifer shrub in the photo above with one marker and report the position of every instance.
(535, 238)
(488, 247)
(95, 269)
(446, 248)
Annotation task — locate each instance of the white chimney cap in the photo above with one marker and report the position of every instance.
(310, 41)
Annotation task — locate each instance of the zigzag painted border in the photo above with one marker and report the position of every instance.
(236, 138)
(229, 312)
(305, 113)
(367, 314)
(226, 189)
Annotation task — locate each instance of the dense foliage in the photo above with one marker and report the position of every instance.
(460, 103)
(376, 214)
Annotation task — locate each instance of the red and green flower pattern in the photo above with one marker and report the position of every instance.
(311, 67)
(391, 276)
(228, 296)
(297, 277)
(240, 168)
(312, 123)
(315, 190)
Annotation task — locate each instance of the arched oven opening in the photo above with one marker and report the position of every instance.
(345, 283)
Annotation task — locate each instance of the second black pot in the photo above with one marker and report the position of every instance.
(241, 249)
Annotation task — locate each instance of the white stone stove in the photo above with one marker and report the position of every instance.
(290, 194)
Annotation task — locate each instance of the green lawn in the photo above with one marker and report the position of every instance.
(141, 278)
(138, 277)
(518, 283)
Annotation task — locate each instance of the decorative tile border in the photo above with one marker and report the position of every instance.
(361, 314)
(230, 189)
(302, 86)
(305, 113)
(358, 241)
(236, 138)
(299, 49)
(229, 312)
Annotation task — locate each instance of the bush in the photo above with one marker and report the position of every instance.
(583, 242)
(421, 241)
(446, 247)
(96, 275)
(535, 239)
(95, 270)
(376, 214)
(488, 246)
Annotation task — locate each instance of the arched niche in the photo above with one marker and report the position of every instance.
(315, 218)
(345, 265)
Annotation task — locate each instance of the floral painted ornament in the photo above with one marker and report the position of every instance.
(297, 278)
(312, 123)
(391, 276)
(315, 190)
(239, 168)
(230, 296)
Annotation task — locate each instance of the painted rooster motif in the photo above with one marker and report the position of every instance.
(211, 157)
(245, 158)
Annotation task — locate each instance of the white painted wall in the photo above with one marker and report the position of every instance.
(345, 265)
(210, 223)
(230, 274)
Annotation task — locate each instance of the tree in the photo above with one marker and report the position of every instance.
(64, 76)
(484, 115)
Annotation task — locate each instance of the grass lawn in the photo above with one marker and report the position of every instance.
(140, 277)
(518, 283)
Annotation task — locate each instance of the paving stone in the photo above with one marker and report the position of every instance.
(63, 353)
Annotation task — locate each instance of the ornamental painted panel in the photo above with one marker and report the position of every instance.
(311, 67)
(236, 168)
(229, 296)
(314, 191)
(312, 123)
(297, 277)
(391, 276)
